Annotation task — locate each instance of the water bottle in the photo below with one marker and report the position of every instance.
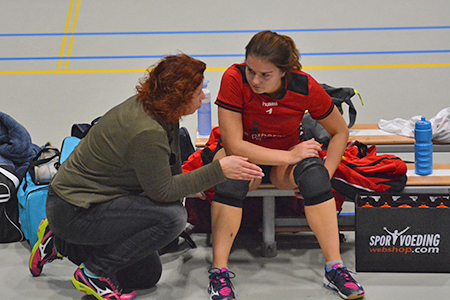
(423, 147)
(204, 112)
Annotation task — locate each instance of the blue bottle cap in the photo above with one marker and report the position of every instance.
(423, 124)
(205, 83)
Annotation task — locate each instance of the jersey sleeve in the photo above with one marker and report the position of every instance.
(231, 90)
(321, 104)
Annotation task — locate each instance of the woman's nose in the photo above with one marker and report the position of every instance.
(256, 80)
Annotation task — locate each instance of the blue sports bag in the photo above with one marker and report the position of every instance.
(33, 190)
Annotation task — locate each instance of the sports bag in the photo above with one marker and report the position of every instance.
(311, 128)
(80, 130)
(33, 190)
(9, 219)
(186, 147)
(68, 145)
(362, 170)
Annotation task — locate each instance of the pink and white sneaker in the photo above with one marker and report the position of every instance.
(100, 287)
(220, 286)
(43, 251)
(339, 279)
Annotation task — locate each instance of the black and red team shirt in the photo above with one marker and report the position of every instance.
(268, 122)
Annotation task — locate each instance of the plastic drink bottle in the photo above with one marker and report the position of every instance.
(423, 147)
(204, 112)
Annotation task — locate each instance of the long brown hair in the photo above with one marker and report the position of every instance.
(275, 48)
(168, 88)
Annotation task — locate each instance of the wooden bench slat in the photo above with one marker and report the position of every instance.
(382, 139)
(429, 180)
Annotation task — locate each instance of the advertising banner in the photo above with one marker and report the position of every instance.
(402, 233)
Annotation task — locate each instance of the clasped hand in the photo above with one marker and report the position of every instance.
(306, 149)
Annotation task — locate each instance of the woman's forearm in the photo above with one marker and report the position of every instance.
(336, 148)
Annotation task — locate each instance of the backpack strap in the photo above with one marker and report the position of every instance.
(343, 95)
(48, 155)
(10, 175)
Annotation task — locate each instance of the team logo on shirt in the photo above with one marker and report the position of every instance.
(255, 128)
(258, 136)
(269, 104)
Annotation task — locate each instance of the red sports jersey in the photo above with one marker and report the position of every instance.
(268, 122)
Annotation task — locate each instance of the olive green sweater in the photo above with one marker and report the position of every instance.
(127, 153)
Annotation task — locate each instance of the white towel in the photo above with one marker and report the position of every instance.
(440, 126)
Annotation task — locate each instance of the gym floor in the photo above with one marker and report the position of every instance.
(295, 273)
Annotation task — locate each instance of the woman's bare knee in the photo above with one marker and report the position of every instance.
(282, 178)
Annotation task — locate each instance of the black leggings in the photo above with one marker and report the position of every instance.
(121, 235)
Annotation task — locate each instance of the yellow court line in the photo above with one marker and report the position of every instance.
(73, 31)
(221, 69)
(61, 53)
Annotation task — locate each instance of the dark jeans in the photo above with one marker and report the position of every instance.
(118, 237)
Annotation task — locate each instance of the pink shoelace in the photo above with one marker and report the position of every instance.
(349, 284)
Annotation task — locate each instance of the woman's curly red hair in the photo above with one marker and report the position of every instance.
(168, 89)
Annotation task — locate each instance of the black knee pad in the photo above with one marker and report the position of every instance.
(231, 192)
(313, 181)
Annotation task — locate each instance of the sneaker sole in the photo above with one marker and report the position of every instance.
(328, 284)
(87, 290)
(41, 234)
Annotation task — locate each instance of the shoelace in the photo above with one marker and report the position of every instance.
(349, 281)
(344, 271)
(116, 286)
(113, 282)
(52, 259)
(224, 279)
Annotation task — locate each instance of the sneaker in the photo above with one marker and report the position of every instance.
(100, 287)
(339, 279)
(220, 286)
(43, 251)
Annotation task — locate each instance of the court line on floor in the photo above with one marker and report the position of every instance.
(223, 69)
(66, 29)
(228, 31)
(73, 31)
(224, 55)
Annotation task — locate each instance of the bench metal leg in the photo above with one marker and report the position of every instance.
(269, 246)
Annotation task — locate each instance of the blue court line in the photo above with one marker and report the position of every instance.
(220, 55)
(221, 31)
